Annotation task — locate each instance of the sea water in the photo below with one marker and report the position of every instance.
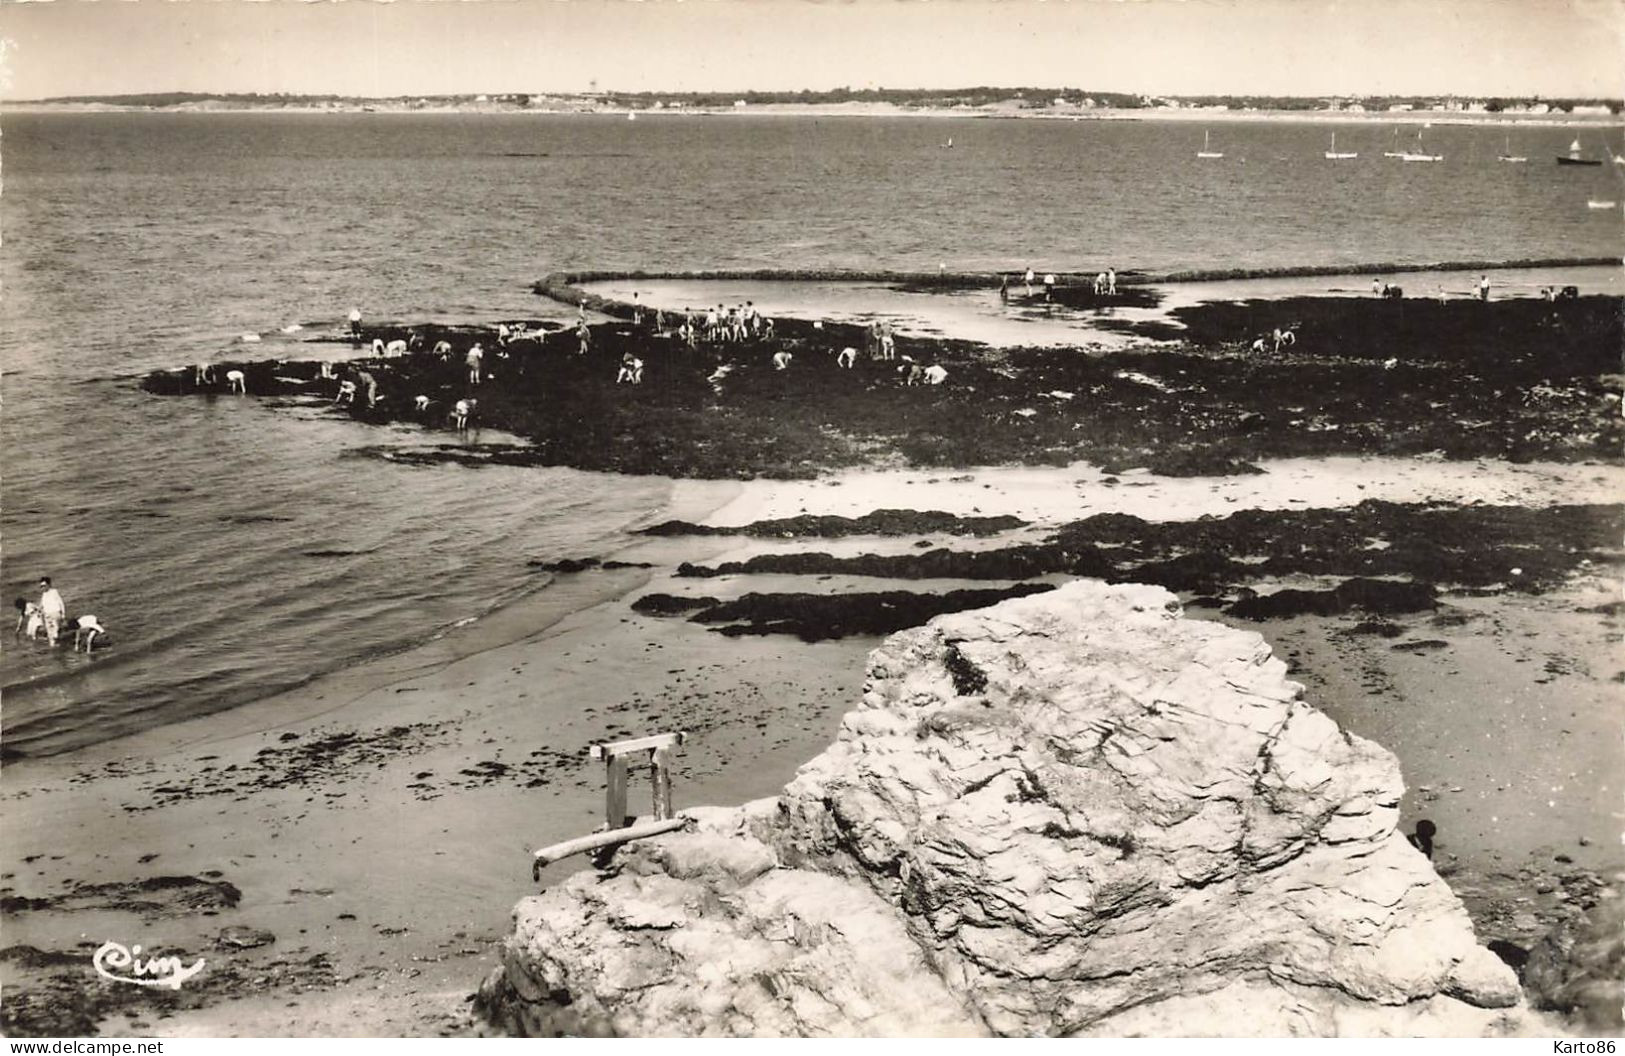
(237, 546)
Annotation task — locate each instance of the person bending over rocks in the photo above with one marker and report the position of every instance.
(781, 360)
(462, 411)
(30, 619)
(631, 370)
(85, 629)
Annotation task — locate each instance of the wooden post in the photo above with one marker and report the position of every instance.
(615, 793)
(660, 759)
(618, 826)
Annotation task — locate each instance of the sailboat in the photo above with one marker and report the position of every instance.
(1420, 154)
(1207, 151)
(950, 144)
(1506, 152)
(1396, 152)
(1333, 155)
(1573, 156)
(630, 116)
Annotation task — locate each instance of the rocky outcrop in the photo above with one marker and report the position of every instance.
(1076, 812)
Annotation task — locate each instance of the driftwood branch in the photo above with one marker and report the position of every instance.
(608, 838)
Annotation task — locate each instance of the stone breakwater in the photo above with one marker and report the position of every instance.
(566, 286)
(1073, 812)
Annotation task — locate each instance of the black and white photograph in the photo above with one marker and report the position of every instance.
(812, 519)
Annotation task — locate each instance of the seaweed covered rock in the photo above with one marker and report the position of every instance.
(1075, 812)
(1579, 967)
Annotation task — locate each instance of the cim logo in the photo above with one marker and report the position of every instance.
(123, 964)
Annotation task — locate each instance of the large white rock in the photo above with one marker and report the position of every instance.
(1059, 810)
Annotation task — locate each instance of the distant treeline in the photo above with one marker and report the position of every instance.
(933, 98)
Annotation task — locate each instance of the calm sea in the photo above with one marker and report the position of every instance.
(236, 548)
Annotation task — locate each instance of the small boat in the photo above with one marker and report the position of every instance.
(1573, 157)
(1593, 203)
(1334, 155)
(631, 116)
(1207, 151)
(949, 145)
(1506, 152)
(1420, 153)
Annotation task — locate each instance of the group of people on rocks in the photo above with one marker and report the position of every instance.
(722, 324)
(1104, 285)
(49, 615)
(879, 341)
(357, 384)
(1276, 340)
(203, 376)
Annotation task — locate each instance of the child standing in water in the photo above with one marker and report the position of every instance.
(53, 610)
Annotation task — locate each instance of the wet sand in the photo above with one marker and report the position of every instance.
(379, 822)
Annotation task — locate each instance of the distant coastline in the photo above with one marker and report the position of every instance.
(1594, 115)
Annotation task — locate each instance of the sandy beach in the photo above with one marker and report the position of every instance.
(1071, 519)
(1436, 559)
(378, 823)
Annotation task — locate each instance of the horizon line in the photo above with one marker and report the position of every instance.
(1013, 92)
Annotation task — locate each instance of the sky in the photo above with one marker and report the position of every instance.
(420, 47)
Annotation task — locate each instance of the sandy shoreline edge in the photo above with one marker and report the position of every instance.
(875, 110)
(399, 866)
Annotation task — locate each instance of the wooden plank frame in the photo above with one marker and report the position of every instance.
(618, 757)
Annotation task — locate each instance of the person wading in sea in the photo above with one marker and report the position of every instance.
(53, 610)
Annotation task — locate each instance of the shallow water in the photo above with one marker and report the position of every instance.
(979, 315)
(234, 547)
